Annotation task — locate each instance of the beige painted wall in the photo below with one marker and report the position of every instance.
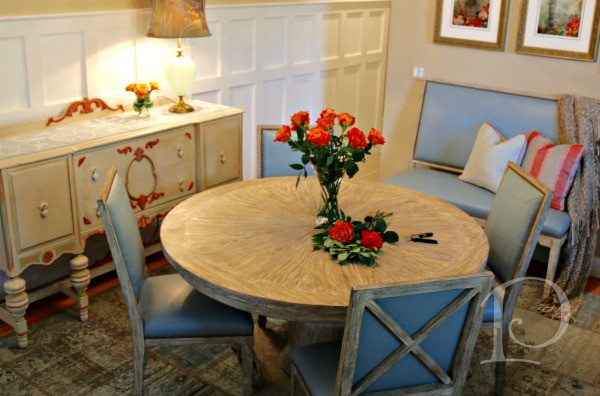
(411, 42)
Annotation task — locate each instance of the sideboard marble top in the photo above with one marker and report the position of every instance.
(73, 137)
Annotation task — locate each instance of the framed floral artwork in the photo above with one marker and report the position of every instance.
(471, 23)
(559, 28)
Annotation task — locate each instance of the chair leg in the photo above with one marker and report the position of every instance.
(262, 321)
(297, 385)
(501, 364)
(293, 381)
(247, 365)
(139, 358)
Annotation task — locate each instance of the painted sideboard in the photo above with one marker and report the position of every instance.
(50, 180)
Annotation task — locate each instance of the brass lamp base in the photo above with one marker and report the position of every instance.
(181, 107)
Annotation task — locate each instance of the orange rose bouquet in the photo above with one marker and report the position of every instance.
(354, 241)
(332, 154)
(142, 95)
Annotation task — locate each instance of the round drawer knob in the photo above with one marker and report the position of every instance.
(43, 206)
(95, 174)
(180, 151)
(222, 155)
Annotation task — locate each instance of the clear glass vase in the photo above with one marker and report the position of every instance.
(330, 179)
(144, 112)
(143, 108)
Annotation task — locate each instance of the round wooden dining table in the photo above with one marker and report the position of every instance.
(249, 245)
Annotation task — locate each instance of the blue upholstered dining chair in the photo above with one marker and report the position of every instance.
(401, 338)
(512, 227)
(274, 158)
(165, 309)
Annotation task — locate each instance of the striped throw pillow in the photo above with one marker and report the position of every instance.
(554, 166)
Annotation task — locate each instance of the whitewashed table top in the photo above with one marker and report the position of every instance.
(248, 244)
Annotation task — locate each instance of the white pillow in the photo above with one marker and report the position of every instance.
(490, 155)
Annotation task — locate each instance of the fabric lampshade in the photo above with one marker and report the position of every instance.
(177, 19)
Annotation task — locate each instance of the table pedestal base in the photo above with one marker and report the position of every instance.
(305, 333)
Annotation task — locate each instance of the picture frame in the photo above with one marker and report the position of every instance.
(471, 23)
(565, 29)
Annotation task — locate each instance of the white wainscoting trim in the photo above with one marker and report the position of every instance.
(271, 60)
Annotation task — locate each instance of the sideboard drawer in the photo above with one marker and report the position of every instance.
(220, 151)
(156, 170)
(41, 201)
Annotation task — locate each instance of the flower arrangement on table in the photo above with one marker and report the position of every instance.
(142, 95)
(354, 241)
(333, 155)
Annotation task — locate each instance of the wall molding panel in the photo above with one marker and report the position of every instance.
(271, 61)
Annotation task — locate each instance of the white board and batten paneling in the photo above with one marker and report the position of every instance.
(270, 60)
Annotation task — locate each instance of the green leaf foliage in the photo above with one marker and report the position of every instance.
(380, 226)
(351, 168)
(358, 156)
(390, 237)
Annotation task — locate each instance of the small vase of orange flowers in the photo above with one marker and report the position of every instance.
(142, 93)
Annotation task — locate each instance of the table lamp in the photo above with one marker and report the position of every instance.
(177, 19)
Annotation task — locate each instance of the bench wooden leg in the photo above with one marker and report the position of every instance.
(555, 245)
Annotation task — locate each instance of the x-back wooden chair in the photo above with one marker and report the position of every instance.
(399, 339)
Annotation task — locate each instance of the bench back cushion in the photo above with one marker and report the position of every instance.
(452, 114)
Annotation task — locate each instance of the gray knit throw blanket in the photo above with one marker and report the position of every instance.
(578, 122)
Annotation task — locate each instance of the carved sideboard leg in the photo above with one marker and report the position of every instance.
(17, 302)
(80, 280)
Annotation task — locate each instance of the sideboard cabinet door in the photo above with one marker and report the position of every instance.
(41, 202)
(219, 154)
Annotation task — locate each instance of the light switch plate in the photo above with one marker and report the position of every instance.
(417, 72)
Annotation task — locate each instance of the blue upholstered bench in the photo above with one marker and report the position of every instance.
(451, 115)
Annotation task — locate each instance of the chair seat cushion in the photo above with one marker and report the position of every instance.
(317, 364)
(171, 307)
(474, 200)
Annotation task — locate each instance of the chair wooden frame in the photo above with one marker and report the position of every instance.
(512, 292)
(477, 287)
(140, 341)
(259, 147)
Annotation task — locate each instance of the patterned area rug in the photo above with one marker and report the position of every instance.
(68, 357)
